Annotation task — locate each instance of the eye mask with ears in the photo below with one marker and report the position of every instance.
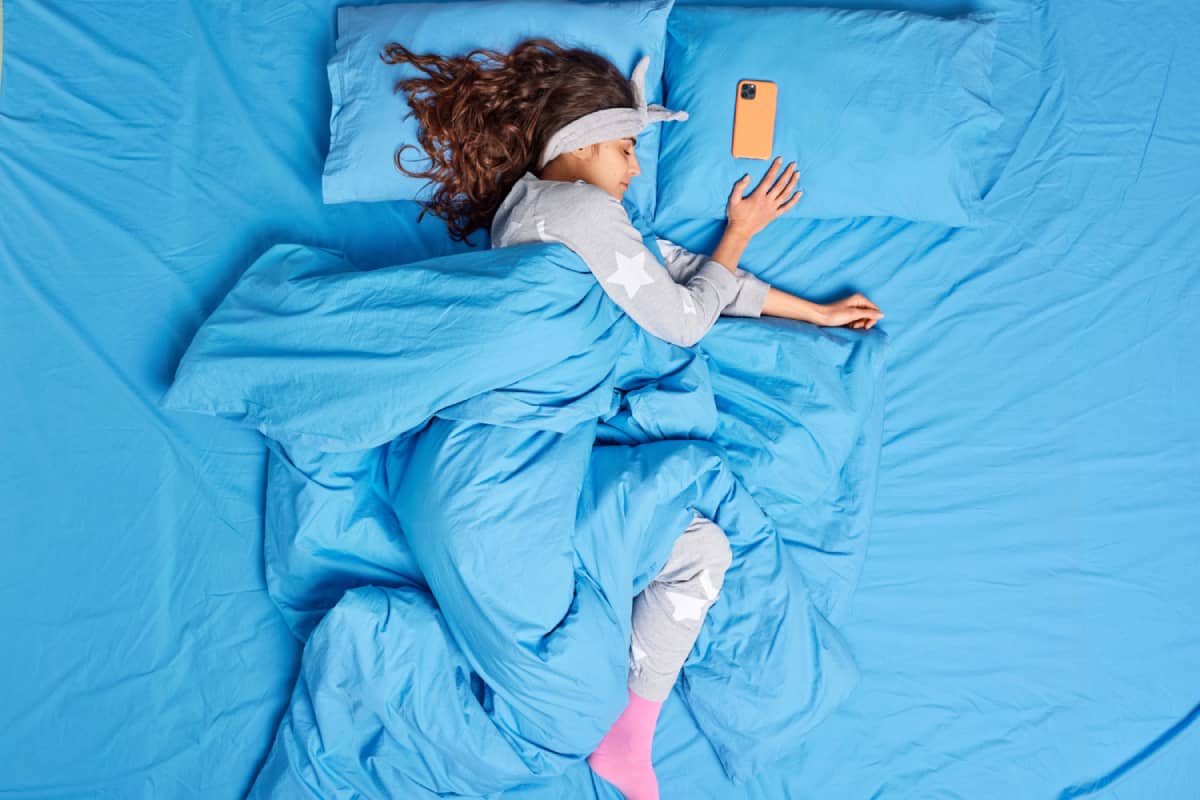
(611, 123)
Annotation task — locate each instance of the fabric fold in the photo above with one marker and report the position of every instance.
(457, 524)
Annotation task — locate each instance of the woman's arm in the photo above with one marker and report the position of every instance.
(855, 311)
(731, 247)
(751, 213)
(596, 226)
(682, 263)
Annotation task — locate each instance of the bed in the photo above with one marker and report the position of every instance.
(1025, 619)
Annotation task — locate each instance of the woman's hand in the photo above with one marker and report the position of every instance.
(751, 213)
(854, 311)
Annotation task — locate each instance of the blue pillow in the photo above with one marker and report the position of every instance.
(884, 112)
(367, 124)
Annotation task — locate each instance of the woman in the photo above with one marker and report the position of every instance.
(538, 145)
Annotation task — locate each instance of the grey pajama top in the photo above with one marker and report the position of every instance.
(678, 303)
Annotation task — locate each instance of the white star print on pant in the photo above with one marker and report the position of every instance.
(631, 273)
(638, 655)
(686, 607)
(669, 615)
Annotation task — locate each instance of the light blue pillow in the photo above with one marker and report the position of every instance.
(367, 122)
(885, 113)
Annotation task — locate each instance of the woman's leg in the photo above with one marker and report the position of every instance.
(667, 617)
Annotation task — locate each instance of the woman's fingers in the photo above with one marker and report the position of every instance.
(848, 318)
(739, 189)
(790, 204)
(855, 311)
(785, 183)
(865, 323)
(865, 315)
(788, 194)
(769, 178)
(858, 299)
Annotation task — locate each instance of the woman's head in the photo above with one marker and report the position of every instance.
(484, 123)
(611, 165)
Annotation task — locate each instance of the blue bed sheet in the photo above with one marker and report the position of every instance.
(1024, 619)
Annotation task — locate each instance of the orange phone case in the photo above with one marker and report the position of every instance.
(754, 121)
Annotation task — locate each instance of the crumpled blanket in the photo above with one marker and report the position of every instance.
(478, 460)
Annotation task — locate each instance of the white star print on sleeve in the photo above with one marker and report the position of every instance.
(675, 307)
(631, 273)
(596, 226)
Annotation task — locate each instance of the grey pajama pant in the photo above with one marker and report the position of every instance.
(668, 614)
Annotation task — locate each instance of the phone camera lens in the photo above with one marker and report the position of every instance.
(748, 91)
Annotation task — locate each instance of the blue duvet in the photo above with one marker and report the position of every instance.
(477, 461)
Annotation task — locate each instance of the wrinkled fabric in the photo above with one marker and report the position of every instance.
(534, 510)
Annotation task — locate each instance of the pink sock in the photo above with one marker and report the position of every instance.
(623, 756)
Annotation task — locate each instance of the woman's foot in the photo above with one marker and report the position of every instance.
(623, 756)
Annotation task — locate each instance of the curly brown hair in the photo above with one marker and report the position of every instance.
(483, 124)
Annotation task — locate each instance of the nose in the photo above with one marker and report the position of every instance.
(634, 169)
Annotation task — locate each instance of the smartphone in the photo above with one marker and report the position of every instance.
(754, 119)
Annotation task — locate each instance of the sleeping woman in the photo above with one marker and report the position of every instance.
(537, 144)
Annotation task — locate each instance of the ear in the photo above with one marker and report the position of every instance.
(587, 153)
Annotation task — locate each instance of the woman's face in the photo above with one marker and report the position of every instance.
(610, 165)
